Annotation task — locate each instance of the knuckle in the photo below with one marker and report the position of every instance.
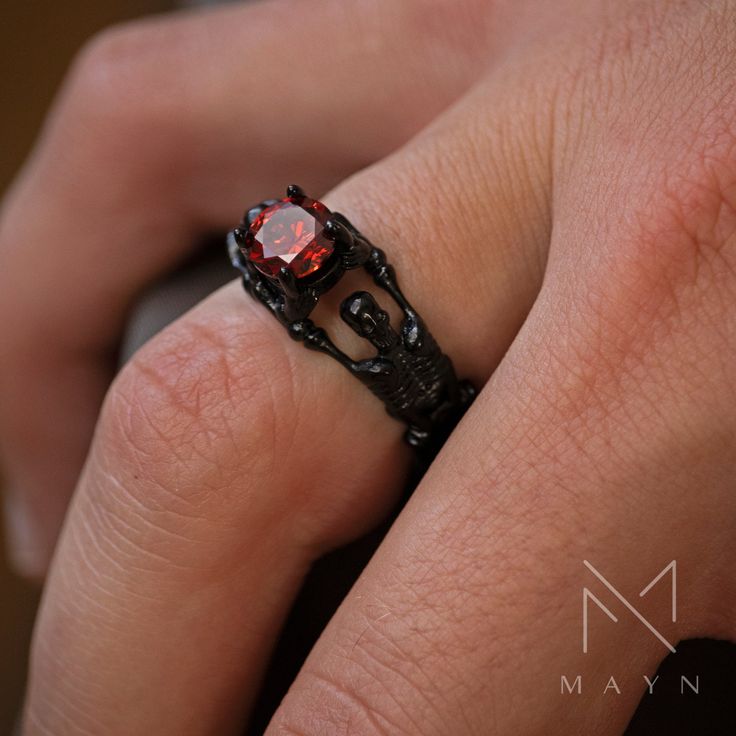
(192, 403)
(127, 85)
(677, 250)
(666, 206)
(471, 158)
(336, 708)
(380, 679)
(109, 51)
(112, 66)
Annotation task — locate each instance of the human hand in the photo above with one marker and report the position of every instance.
(575, 210)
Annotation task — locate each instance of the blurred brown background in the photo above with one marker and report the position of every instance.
(38, 38)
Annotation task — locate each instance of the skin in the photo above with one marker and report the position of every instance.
(564, 178)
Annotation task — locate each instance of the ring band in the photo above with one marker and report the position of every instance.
(290, 252)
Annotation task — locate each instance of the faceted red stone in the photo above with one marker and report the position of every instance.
(290, 233)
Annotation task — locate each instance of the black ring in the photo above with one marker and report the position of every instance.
(290, 252)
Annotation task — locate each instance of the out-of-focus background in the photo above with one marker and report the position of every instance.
(38, 39)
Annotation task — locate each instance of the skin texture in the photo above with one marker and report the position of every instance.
(564, 179)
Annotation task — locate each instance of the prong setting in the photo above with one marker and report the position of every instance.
(294, 191)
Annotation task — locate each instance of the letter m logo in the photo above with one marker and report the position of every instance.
(588, 596)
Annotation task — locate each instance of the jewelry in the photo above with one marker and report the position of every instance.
(293, 250)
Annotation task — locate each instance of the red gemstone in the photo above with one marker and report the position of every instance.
(290, 233)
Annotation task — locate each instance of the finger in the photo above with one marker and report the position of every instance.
(471, 612)
(225, 460)
(164, 130)
(592, 460)
(605, 435)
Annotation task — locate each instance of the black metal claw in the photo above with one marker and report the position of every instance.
(354, 250)
(239, 236)
(287, 281)
(332, 229)
(339, 235)
(236, 255)
(294, 191)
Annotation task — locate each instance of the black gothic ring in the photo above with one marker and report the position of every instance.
(293, 250)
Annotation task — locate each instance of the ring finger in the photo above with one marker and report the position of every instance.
(224, 459)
